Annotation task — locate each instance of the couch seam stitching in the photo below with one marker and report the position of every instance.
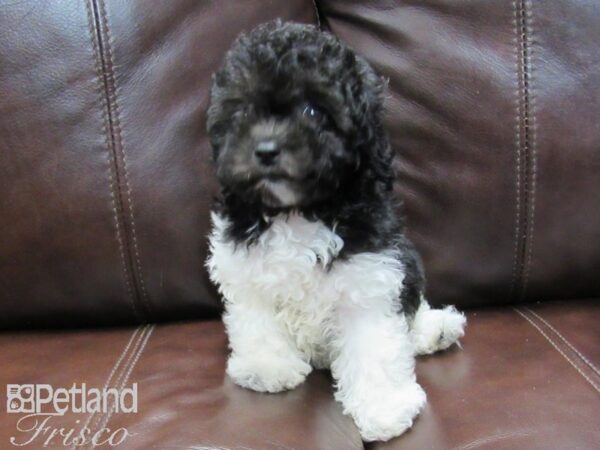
(525, 165)
(113, 180)
(126, 374)
(99, 420)
(479, 442)
(572, 347)
(121, 147)
(531, 137)
(557, 348)
(113, 371)
(523, 124)
(517, 220)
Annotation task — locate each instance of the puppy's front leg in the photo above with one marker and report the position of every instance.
(374, 368)
(263, 356)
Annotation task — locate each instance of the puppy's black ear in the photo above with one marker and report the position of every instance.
(215, 128)
(375, 150)
(217, 121)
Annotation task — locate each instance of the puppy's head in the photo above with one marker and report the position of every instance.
(295, 118)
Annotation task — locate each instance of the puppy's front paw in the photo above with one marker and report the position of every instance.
(387, 413)
(265, 372)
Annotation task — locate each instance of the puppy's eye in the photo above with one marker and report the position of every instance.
(311, 111)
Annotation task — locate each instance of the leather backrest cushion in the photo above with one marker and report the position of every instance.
(494, 111)
(105, 174)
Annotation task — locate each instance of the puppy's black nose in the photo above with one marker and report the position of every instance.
(266, 152)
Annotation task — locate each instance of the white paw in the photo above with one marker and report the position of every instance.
(388, 413)
(436, 329)
(265, 372)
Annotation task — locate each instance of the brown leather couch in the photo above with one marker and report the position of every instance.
(106, 184)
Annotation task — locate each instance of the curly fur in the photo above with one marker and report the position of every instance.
(308, 248)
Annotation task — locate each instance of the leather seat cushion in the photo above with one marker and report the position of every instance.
(525, 378)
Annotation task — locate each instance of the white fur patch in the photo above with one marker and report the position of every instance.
(286, 270)
(290, 305)
(282, 191)
(433, 330)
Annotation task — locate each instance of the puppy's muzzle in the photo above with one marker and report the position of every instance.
(267, 135)
(266, 152)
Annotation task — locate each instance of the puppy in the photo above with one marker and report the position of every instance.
(307, 247)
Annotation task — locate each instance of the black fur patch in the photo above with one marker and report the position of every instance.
(320, 106)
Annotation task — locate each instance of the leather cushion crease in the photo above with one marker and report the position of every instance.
(106, 185)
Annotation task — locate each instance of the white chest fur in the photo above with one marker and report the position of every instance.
(291, 270)
(290, 304)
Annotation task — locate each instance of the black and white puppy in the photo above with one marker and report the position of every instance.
(308, 248)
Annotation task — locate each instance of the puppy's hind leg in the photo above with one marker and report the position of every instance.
(433, 330)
